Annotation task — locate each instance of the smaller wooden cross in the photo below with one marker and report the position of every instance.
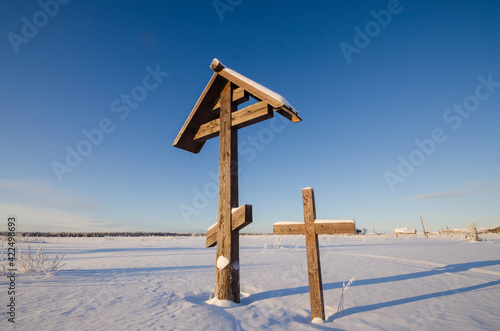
(311, 228)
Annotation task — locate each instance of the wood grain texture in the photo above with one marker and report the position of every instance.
(239, 96)
(289, 229)
(234, 201)
(201, 114)
(215, 114)
(241, 217)
(335, 228)
(207, 107)
(261, 96)
(224, 232)
(313, 259)
(311, 229)
(239, 119)
(216, 65)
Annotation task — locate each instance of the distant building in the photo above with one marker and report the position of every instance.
(495, 230)
(405, 231)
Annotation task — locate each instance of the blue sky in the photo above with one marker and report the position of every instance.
(400, 104)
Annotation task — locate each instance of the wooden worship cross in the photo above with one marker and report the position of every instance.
(216, 114)
(311, 228)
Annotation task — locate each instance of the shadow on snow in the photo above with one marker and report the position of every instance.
(452, 268)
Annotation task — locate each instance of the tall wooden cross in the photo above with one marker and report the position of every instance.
(311, 228)
(216, 114)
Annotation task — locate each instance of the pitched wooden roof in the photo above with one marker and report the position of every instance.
(206, 108)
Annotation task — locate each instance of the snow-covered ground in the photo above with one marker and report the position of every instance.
(405, 283)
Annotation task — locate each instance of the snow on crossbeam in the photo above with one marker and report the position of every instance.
(241, 217)
(287, 222)
(334, 221)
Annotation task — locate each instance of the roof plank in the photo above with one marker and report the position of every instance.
(205, 109)
(201, 114)
(256, 90)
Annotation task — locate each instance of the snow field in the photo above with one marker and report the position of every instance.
(410, 283)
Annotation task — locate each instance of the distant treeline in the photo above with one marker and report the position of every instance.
(105, 234)
(114, 234)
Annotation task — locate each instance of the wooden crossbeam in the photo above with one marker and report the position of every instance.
(239, 96)
(289, 228)
(255, 113)
(241, 217)
(321, 227)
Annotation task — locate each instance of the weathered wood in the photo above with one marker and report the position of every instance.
(313, 260)
(223, 275)
(201, 113)
(289, 228)
(258, 91)
(204, 111)
(252, 114)
(284, 228)
(235, 234)
(239, 119)
(324, 227)
(239, 96)
(311, 228)
(215, 113)
(211, 239)
(423, 227)
(216, 65)
(241, 217)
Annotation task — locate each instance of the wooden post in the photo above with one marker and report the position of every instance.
(215, 114)
(235, 235)
(313, 260)
(227, 249)
(423, 227)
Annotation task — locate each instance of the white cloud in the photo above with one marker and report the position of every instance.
(42, 207)
(472, 189)
(54, 220)
(40, 193)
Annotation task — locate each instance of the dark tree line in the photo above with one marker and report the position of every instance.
(104, 234)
